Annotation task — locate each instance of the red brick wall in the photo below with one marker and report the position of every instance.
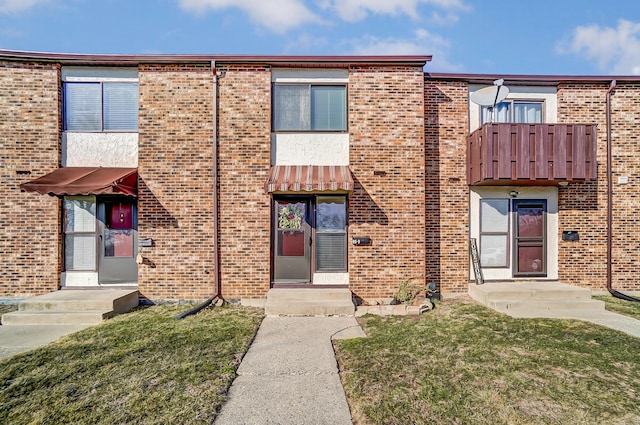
(583, 207)
(447, 194)
(176, 181)
(29, 142)
(386, 126)
(244, 162)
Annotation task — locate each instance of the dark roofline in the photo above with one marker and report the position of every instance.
(534, 80)
(113, 59)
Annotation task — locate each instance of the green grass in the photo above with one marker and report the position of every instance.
(616, 305)
(143, 367)
(464, 364)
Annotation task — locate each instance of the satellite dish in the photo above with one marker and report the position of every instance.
(490, 96)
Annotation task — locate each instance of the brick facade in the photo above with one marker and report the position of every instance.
(175, 157)
(244, 155)
(407, 152)
(386, 128)
(447, 194)
(29, 147)
(583, 207)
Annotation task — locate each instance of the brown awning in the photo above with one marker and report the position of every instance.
(85, 181)
(309, 178)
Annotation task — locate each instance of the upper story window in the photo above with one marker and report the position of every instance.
(309, 107)
(101, 106)
(514, 111)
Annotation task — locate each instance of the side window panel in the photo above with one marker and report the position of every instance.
(79, 233)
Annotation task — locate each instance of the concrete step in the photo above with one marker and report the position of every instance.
(84, 317)
(535, 298)
(72, 307)
(108, 299)
(515, 291)
(309, 302)
(523, 308)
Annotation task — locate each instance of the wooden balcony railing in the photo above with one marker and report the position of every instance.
(505, 154)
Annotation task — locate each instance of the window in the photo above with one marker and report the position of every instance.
(101, 106)
(494, 232)
(513, 111)
(79, 233)
(331, 234)
(306, 107)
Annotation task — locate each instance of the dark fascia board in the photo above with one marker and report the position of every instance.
(117, 59)
(533, 80)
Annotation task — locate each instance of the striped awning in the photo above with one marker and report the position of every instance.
(309, 178)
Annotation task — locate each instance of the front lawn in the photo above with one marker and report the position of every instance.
(616, 305)
(143, 367)
(465, 364)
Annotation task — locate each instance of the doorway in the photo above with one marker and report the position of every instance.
(309, 239)
(292, 240)
(517, 230)
(529, 238)
(117, 241)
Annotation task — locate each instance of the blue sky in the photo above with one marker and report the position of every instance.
(542, 37)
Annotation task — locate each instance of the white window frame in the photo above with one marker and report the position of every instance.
(88, 229)
(511, 103)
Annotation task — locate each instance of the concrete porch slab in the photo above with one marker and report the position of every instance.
(72, 307)
(535, 298)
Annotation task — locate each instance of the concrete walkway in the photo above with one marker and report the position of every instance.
(18, 339)
(290, 375)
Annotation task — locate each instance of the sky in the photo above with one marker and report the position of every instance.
(506, 37)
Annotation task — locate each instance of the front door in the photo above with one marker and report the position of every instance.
(529, 237)
(117, 240)
(292, 240)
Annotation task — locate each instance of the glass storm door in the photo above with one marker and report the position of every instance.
(529, 237)
(117, 241)
(292, 241)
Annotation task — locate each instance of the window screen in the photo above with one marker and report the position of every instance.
(331, 234)
(99, 106)
(494, 232)
(80, 233)
(304, 107)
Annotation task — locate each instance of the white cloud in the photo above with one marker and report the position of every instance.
(614, 50)
(306, 43)
(423, 43)
(12, 6)
(357, 10)
(275, 15)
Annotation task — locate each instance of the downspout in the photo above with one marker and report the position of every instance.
(217, 284)
(613, 292)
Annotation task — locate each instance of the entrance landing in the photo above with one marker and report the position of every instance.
(550, 300)
(535, 298)
(309, 302)
(72, 307)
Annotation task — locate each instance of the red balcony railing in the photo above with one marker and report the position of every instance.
(505, 153)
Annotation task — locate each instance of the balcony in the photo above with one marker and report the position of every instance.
(531, 154)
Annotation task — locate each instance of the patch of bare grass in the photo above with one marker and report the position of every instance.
(464, 364)
(144, 367)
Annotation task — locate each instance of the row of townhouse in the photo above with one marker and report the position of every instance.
(189, 175)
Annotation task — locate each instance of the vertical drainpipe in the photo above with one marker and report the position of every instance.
(612, 86)
(214, 191)
(216, 253)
